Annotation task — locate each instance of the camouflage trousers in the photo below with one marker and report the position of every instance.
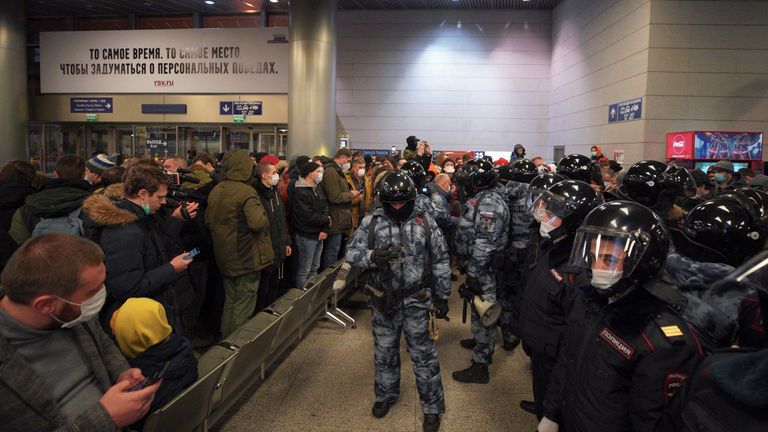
(412, 320)
(485, 336)
(510, 288)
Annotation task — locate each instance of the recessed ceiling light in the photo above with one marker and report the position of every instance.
(210, 2)
(273, 1)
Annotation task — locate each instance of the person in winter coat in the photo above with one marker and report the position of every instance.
(58, 197)
(265, 184)
(359, 181)
(146, 339)
(242, 245)
(340, 198)
(310, 219)
(139, 259)
(596, 153)
(18, 180)
(518, 152)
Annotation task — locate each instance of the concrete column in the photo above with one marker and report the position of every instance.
(14, 108)
(312, 89)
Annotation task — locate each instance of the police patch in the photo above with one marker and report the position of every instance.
(616, 343)
(555, 274)
(672, 383)
(487, 215)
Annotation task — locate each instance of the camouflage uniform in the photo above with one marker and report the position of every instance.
(511, 279)
(483, 231)
(411, 314)
(434, 208)
(710, 313)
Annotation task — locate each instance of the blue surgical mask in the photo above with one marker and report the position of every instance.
(720, 177)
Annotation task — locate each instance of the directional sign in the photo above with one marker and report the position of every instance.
(237, 107)
(238, 118)
(153, 143)
(625, 111)
(90, 105)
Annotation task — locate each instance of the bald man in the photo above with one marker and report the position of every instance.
(440, 192)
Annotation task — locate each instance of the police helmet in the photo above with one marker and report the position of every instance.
(642, 182)
(726, 229)
(624, 241)
(480, 174)
(415, 171)
(679, 181)
(565, 204)
(505, 172)
(397, 188)
(759, 198)
(580, 167)
(523, 171)
(541, 183)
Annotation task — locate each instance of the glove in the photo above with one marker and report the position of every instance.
(382, 256)
(547, 425)
(441, 308)
(474, 284)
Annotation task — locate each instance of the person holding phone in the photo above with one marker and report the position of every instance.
(57, 367)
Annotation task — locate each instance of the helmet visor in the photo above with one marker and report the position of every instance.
(611, 252)
(548, 206)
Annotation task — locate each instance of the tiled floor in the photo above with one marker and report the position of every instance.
(326, 384)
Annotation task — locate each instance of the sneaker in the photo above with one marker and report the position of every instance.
(528, 406)
(380, 409)
(510, 345)
(431, 422)
(475, 374)
(468, 343)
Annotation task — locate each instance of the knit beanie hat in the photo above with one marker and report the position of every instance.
(724, 165)
(308, 168)
(139, 324)
(99, 163)
(301, 160)
(270, 159)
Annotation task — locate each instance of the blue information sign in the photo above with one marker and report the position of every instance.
(237, 107)
(625, 111)
(375, 152)
(90, 105)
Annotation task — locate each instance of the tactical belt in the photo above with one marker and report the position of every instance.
(379, 297)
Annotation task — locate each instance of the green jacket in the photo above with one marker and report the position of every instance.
(336, 191)
(25, 403)
(237, 220)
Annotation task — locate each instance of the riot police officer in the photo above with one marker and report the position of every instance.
(717, 235)
(549, 292)
(620, 366)
(480, 242)
(424, 203)
(410, 274)
(727, 390)
(582, 168)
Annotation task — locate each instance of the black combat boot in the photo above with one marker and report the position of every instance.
(431, 422)
(475, 374)
(510, 345)
(468, 343)
(528, 406)
(380, 409)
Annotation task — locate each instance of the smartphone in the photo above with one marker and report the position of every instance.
(192, 254)
(148, 381)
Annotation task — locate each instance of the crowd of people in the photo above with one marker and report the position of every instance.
(624, 285)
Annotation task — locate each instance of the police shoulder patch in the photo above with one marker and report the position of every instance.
(487, 215)
(617, 344)
(556, 275)
(672, 383)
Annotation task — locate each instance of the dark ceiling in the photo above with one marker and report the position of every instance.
(85, 8)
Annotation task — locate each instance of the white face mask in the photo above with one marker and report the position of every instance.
(604, 279)
(274, 179)
(319, 177)
(345, 166)
(361, 172)
(539, 214)
(545, 229)
(449, 170)
(594, 153)
(88, 309)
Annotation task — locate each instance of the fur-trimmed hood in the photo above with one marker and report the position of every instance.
(104, 211)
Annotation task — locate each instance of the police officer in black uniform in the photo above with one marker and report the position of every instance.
(580, 167)
(623, 361)
(727, 392)
(550, 291)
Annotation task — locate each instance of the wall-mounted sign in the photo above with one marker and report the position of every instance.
(375, 152)
(238, 118)
(236, 107)
(715, 145)
(163, 108)
(625, 111)
(91, 117)
(680, 145)
(165, 61)
(91, 105)
(154, 143)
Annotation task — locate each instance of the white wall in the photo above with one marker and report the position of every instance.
(482, 86)
(599, 57)
(708, 68)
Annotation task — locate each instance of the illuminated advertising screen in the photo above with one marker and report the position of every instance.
(728, 145)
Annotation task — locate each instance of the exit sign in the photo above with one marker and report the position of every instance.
(91, 117)
(238, 118)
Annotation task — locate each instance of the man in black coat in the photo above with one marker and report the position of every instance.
(310, 219)
(265, 182)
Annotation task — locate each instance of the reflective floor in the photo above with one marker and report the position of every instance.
(326, 384)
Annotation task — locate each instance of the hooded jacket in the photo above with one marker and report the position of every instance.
(278, 231)
(336, 191)
(599, 154)
(237, 220)
(514, 155)
(309, 210)
(57, 198)
(12, 196)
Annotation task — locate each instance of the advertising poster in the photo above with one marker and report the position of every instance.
(728, 145)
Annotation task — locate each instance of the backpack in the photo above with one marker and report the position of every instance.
(69, 224)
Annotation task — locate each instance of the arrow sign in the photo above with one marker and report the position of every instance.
(90, 105)
(625, 111)
(237, 107)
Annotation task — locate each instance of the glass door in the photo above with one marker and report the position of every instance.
(239, 138)
(62, 140)
(267, 142)
(155, 141)
(196, 140)
(35, 146)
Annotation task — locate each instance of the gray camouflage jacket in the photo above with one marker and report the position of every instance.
(483, 229)
(419, 256)
(517, 200)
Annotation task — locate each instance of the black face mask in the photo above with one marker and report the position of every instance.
(402, 214)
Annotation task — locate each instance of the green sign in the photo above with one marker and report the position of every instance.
(91, 117)
(238, 118)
